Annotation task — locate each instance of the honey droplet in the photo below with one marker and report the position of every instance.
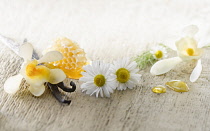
(159, 89)
(177, 85)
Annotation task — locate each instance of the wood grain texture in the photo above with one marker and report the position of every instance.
(137, 109)
(106, 30)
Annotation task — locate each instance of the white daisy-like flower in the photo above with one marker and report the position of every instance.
(97, 79)
(125, 72)
(159, 52)
(187, 49)
(34, 72)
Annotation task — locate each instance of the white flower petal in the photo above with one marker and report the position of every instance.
(35, 82)
(89, 70)
(111, 88)
(37, 91)
(125, 62)
(106, 92)
(190, 30)
(51, 56)
(56, 76)
(130, 84)
(132, 66)
(12, 84)
(164, 66)
(121, 87)
(87, 85)
(135, 77)
(23, 69)
(196, 72)
(26, 51)
(185, 43)
(85, 74)
(90, 90)
(96, 90)
(101, 93)
(97, 66)
(124, 86)
(84, 79)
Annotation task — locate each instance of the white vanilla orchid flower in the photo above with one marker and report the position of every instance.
(34, 72)
(187, 49)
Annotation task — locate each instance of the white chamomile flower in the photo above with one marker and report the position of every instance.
(34, 72)
(187, 49)
(97, 79)
(159, 52)
(125, 72)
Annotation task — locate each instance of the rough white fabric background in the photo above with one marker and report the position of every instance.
(106, 29)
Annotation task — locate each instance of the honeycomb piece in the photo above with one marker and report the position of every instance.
(73, 58)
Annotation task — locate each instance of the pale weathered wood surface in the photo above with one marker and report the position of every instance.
(93, 25)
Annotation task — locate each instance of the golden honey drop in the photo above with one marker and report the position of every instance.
(177, 85)
(159, 89)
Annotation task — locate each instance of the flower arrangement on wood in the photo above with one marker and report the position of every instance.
(187, 49)
(34, 72)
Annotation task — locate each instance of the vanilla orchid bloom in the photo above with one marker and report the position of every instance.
(34, 72)
(187, 49)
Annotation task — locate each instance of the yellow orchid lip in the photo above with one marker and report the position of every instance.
(190, 51)
(35, 71)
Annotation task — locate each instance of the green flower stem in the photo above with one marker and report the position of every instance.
(206, 46)
(145, 59)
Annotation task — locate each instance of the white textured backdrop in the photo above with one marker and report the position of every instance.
(106, 29)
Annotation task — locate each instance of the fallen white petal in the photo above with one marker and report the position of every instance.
(26, 51)
(37, 91)
(56, 76)
(51, 56)
(164, 66)
(196, 72)
(12, 84)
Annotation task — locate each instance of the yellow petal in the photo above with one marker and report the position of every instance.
(37, 72)
(37, 91)
(56, 76)
(12, 84)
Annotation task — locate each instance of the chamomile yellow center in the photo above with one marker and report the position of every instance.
(99, 80)
(34, 71)
(190, 51)
(123, 75)
(158, 54)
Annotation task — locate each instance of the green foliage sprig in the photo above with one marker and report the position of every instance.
(145, 59)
